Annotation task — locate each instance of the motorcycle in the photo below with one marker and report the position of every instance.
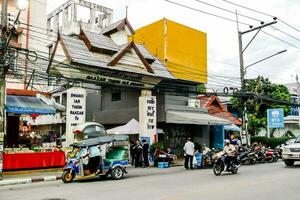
(207, 157)
(220, 164)
(260, 155)
(247, 157)
(269, 154)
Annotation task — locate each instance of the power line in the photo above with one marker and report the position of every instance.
(263, 13)
(232, 12)
(214, 15)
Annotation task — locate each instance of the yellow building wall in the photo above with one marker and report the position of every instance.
(152, 37)
(181, 48)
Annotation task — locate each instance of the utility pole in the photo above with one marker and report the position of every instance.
(243, 68)
(2, 78)
(298, 98)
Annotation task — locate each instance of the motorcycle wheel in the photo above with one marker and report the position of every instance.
(275, 159)
(262, 160)
(67, 177)
(217, 168)
(270, 159)
(253, 160)
(234, 171)
(247, 161)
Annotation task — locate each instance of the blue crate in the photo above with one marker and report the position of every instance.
(166, 164)
(161, 165)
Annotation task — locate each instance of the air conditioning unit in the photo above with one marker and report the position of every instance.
(195, 103)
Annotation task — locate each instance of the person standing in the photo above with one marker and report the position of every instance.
(132, 152)
(189, 150)
(145, 153)
(138, 154)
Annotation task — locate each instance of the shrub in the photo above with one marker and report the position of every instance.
(269, 142)
(156, 145)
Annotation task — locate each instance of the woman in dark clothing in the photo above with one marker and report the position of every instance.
(145, 153)
(138, 154)
(132, 152)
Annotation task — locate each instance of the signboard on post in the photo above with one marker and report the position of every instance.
(275, 118)
(75, 111)
(147, 117)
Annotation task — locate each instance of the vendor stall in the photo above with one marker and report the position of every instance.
(35, 160)
(28, 146)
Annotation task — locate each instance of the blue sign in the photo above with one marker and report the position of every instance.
(275, 118)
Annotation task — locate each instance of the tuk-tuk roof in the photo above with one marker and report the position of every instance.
(101, 140)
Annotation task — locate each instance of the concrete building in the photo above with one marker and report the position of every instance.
(31, 35)
(70, 16)
(133, 84)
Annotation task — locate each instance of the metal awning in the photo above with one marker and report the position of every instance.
(27, 105)
(232, 127)
(193, 117)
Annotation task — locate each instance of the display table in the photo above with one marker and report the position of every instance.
(35, 160)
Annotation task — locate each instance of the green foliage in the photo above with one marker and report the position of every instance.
(156, 145)
(257, 106)
(201, 88)
(269, 142)
(289, 134)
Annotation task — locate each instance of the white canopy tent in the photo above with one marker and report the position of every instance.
(131, 128)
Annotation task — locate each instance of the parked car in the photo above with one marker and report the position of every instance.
(89, 130)
(291, 152)
(279, 148)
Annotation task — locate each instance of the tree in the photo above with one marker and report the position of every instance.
(201, 88)
(261, 95)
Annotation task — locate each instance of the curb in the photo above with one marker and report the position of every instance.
(29, 180)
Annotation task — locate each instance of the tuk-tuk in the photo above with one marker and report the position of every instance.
(113, 160)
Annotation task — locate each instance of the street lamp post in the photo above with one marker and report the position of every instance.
(298, 98)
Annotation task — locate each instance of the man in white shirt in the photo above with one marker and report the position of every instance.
(189, 150)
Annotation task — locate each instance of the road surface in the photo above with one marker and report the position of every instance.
(262, 181)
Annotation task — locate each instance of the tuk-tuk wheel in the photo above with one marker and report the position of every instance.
(117, 173)
(67, 177)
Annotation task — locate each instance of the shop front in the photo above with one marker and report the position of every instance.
(26, 145)
(203, 128)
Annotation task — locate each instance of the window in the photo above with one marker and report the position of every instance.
(94, 131)
(116, 95)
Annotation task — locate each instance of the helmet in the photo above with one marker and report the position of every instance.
(227, 141)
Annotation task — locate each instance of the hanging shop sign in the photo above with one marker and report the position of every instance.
(147, 116)
(118, 81)
(75, 112)
(108, 77)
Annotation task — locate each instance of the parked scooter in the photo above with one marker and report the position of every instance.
(208, 157)
(260, 155)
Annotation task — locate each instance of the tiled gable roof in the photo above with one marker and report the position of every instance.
(99, 41)
(78, 53)
(216, 108)
(115, 27)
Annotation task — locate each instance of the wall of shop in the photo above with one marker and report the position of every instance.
(175, 135)
(119, 110)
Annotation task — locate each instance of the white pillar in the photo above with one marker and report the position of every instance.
(147, 115)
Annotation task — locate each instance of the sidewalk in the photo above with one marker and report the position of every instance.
(31, 176)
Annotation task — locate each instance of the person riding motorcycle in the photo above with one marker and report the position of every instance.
(230, 152)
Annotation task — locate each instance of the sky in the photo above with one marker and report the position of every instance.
(222, 37)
